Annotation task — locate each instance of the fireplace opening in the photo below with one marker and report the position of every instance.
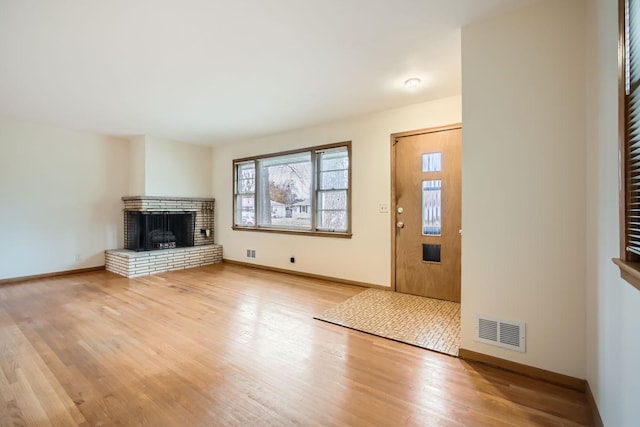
(148, 231)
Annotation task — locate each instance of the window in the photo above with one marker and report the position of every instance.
(629, 261)
(305, 191)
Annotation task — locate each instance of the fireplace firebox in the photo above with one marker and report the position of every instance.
(148, 231)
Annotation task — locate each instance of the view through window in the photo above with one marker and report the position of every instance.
(305, 191)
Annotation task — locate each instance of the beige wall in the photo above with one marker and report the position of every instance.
(60, 198)
(137, 167)
(366, 256)
(529, 250)
(61, 191)
(523, 181)
(162, 167)
(613, 306)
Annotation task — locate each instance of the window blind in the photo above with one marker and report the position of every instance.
(632, 125)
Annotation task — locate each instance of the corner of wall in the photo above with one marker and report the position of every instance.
(523, 181)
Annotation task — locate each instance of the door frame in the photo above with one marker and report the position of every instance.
(394, 140)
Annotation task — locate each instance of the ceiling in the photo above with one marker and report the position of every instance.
(210, 71)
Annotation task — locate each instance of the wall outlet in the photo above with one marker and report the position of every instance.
(251, 253)
(292, 259)
(383, 208)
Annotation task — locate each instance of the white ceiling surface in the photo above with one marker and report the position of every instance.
(210, 71)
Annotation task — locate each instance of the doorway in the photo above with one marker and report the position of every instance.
(427, 212)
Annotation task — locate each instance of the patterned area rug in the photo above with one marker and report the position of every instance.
(424, 322)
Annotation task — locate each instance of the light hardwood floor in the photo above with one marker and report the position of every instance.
(230, 345)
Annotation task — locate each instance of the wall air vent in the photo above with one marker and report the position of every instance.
(502, 333)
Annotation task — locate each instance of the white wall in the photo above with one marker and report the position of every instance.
(366, 256)
(60, 195)
(523, 181)
(613, 306)
(137, 166)
(176, 169)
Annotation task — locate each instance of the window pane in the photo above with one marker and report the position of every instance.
(334, 180)
(332, 210)
(287, 159)
(432, 162)
(333, 184)
(332, 200)
(246, 178)
(245, 198)
(431, 207)
(333, 159)
(332, 220)
(245, 210)
(285, 191)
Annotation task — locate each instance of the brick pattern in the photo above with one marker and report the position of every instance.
(132, 264)
(204, 208)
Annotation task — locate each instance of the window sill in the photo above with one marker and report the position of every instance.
(296, 232)
(629, 271)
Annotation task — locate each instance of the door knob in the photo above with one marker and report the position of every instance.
(400, 224)
(400, 210)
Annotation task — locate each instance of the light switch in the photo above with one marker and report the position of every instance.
(383, 208)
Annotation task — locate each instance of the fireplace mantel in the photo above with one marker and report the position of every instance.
(164, 203)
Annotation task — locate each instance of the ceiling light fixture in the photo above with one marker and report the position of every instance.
(412, 83)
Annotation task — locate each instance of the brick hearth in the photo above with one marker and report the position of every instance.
(132, 264)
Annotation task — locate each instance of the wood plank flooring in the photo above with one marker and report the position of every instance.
(227, 345)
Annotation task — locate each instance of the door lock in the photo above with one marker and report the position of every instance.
(400, 224)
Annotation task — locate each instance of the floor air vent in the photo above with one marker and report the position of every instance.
(503, 333)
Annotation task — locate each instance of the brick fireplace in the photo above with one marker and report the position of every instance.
(163, 234)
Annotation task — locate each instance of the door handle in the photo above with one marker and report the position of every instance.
(400, 224)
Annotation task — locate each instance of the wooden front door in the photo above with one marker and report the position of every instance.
(427, 212)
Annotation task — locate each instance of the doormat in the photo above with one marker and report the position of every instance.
(424, 322)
